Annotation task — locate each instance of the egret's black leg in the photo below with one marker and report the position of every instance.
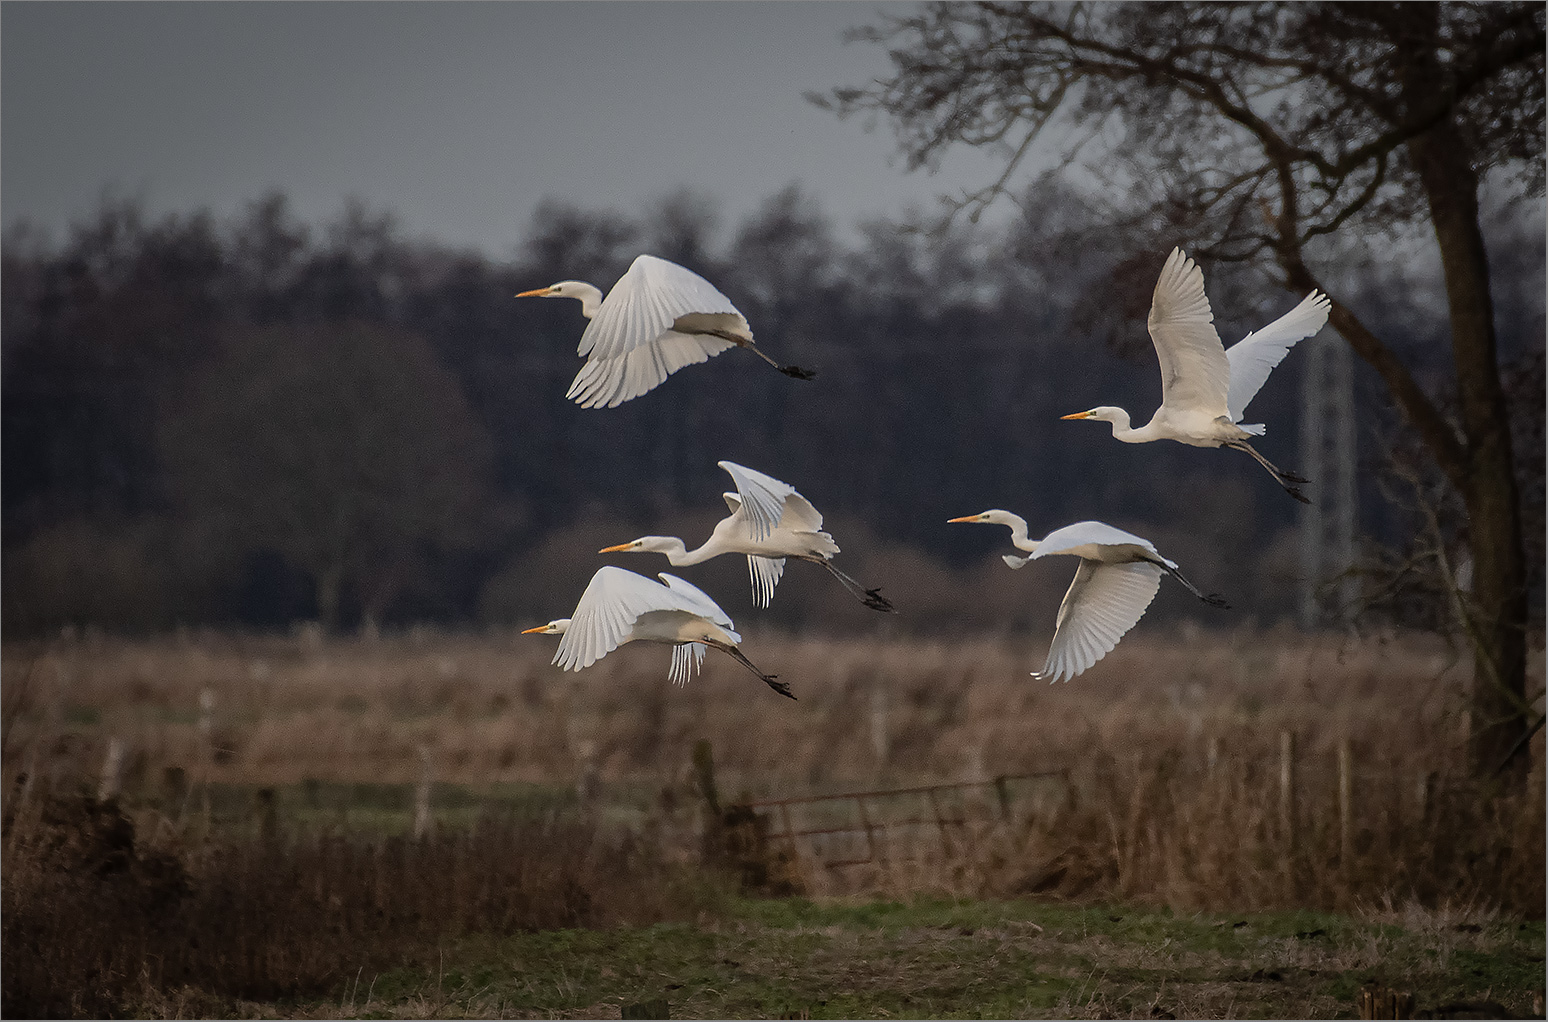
(1284, 479)
(768, 679)
(870, 597)
(1213, 599)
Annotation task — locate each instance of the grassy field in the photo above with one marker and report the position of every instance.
(268, 852)
(950, 959)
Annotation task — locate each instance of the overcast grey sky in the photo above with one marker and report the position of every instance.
(457, 116)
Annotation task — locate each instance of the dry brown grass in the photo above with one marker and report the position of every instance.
(99, 921)
(1147, 819)
(492, 708)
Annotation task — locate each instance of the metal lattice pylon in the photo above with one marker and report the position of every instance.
(1329, 590)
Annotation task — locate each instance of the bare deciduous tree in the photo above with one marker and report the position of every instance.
(1260, 132)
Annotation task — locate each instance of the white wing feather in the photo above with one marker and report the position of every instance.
(697, 601)
(768, 503)
(1195, 375)
(1253, 357)
(613, 601)
(688, 657)
(609, 382)
(1103, 602)
(648, 300)
(765, 573)
(687, 660)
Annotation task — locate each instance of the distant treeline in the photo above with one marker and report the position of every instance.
(256, 420)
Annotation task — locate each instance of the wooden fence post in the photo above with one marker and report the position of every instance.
(879, 738)
(1424, 795)
(1002, 792)
(1287, 789)
(588, 782)
(207, 721)
(268, 814)
(112, 770)
(704, 768)
(422, 814)
(1345, 804)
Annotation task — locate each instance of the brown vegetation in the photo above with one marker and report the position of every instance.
(491, 708)
(98, 922)
(1171, 750)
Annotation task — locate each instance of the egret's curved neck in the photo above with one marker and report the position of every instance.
(1018, 528)
(590, 299)
(1123, 431)
(678, 553)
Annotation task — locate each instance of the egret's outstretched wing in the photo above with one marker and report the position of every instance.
(768, 503)
(607, 383)
(1064, 540)
(1253, 357)
(694, 600)
(1194, 372)
(1104, 601)
(614, 599)
(649, 300)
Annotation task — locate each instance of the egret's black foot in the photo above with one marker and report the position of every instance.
(778, 686)
(1216, 600)
(1289, 478)
(798, 372)
(876, 601)
(1298, 495)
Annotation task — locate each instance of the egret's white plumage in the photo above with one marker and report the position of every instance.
(620, 606)
(1205, 388)
(1118, 576)
(658, 318)
(769, 522)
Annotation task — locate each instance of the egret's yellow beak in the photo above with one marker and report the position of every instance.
(615, 549)
(1077, 415)
(538, 293)
(966, 518)
(539, 628)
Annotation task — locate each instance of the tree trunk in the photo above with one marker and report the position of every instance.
(1498, 603)
(330, 585)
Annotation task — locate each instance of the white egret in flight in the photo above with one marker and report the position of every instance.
(619, 606)
(1204, 387)
(657, 319)
(1118, 576)
(769, 522)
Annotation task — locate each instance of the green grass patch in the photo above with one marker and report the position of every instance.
(964, 959)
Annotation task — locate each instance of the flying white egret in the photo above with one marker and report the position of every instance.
(1205, 388)
(619, 606)
(657, 319)
(1118, 576)
(769, 522)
